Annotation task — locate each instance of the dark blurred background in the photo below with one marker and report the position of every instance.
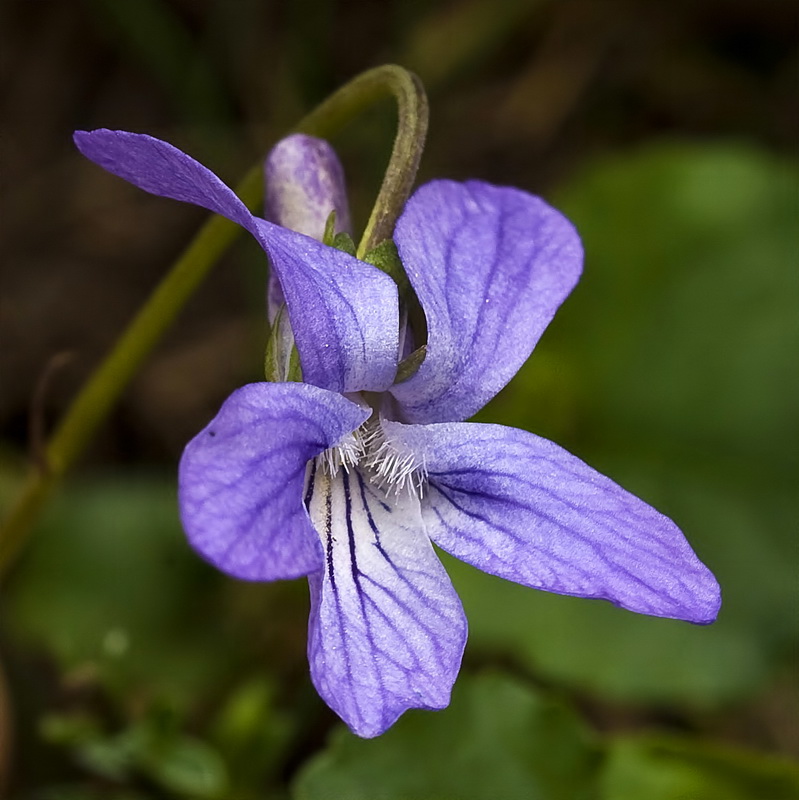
(666, 130)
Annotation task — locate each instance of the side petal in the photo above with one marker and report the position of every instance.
(490, 266)
(387, 630)
(343, 312)
(241, 479)
(518, 506)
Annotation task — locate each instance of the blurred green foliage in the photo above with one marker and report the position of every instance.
(109, 584)
(660, 768)
(498, 739)
(504, 739)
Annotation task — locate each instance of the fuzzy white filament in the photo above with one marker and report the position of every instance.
(389, 467)
(347, 453)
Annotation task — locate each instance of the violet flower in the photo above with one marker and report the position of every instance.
(348, 478)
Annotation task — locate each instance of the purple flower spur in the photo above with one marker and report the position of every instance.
(352, 475)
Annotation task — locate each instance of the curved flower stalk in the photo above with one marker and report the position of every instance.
(349, 478)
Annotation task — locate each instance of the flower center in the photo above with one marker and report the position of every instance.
(388, 465)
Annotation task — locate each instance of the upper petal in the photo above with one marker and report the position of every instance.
(490, 266)
(518, 506)
(387, 630)
(343, 312)
(241, 479)
(160, 168)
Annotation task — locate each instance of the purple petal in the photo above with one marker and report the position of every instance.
(387, 630)
(343, 312)
(490, 266)
(518, 506)
(161, 169)
(241, 480)
(304, 183)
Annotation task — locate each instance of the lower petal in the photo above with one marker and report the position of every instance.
(518, 506)
(387, 629)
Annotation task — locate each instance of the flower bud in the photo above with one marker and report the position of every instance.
(304, 183)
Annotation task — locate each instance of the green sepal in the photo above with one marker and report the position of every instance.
(330, 229)
(409, 366)
(294, 372)
(343, 241)
(386, 258)
(278, 367)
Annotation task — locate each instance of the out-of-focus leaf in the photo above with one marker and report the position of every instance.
(155, 34)
(498, 739)
(79, 792)
(672, 370)
(112, 758)
(69, 729)
(594, 646)
(685, 322)
(109, 583)
(456, 37)
(190, 768)
(251, 732)
(153, 746)
(659, 768)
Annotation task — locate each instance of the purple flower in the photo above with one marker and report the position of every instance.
(348, 478)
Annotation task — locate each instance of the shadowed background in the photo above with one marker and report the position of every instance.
(666, 132)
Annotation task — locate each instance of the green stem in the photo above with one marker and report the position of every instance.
(103, 389)
(412, 116)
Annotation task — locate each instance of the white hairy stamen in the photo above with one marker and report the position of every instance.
(386, 464)
(391, 468)
(347, 453)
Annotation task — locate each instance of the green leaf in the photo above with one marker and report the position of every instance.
(593, 646)
(330, 229)
(498, 739)
(190, 768)
(252, 732)
(661, 768)
(409, 366)
(685, 320)
(341, 240)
